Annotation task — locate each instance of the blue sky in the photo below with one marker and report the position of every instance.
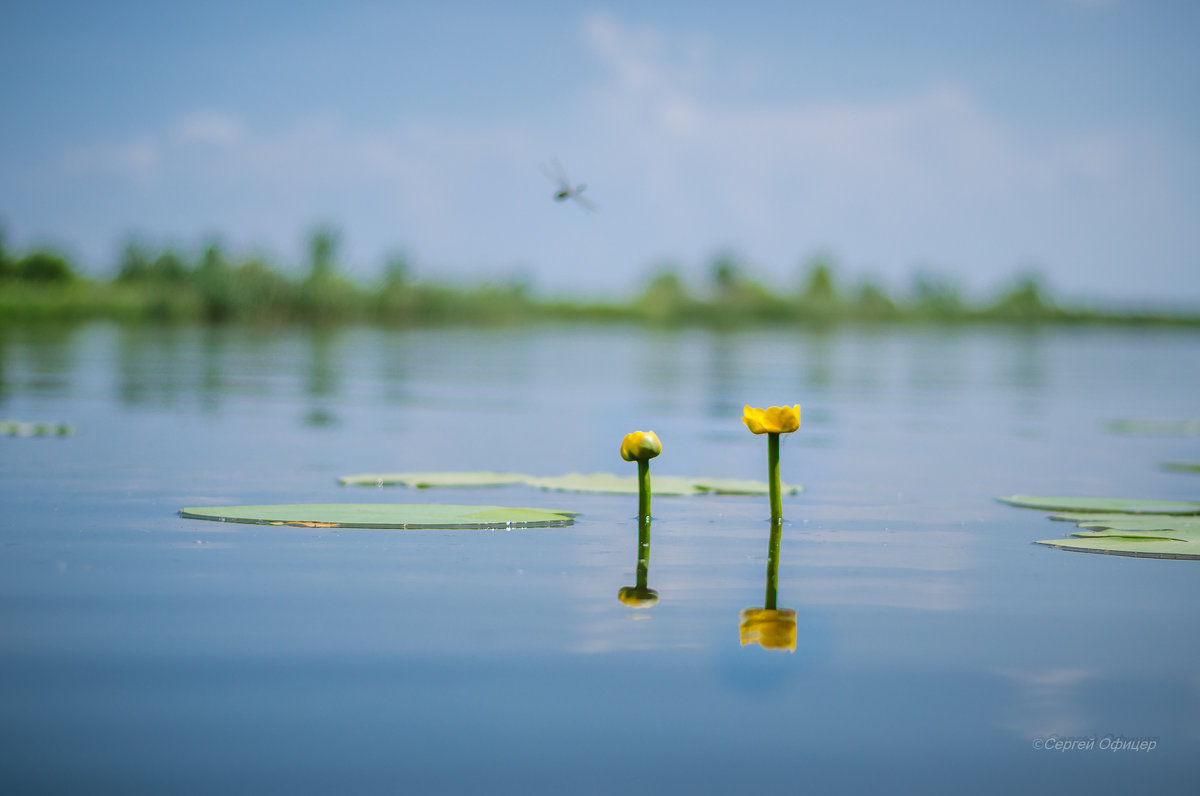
(971, 138)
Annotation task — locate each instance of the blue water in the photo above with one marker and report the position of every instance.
(936, 645)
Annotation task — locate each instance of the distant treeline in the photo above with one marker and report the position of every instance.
(211, 286)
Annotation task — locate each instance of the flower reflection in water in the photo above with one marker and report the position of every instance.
(770, 627)
(641, 595)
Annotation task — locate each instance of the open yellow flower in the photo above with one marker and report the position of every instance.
(640, 446)
(772, 420)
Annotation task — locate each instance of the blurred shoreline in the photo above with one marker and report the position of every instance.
(167, 286)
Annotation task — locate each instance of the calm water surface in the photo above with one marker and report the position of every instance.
(936, 645)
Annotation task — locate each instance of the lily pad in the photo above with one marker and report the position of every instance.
(435, 479)
(1103, 505)
(1176, 535)
(1147, 547)
(1152, 525)
(1134, 522)
(1143, 535)
(1182, 467)
(383, 515)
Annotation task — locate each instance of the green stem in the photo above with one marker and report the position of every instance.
(643, 489)
(773, 566)
(773, 478)
(643, 561)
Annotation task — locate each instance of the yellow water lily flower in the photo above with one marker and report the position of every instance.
(640, 446)
(772, 420)
(769, 628)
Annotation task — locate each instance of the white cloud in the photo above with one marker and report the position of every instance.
(209, 127)
(136, 158)
(928, 175)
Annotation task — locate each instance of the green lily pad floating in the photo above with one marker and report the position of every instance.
(1137, 535)
(17, 428)
(435, 479)
(1155, 426)
(603, 483)
(1103, 505)
(1125, 546)
(384, 515)
(1182, 467)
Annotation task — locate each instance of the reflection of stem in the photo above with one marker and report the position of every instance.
(643, 561)
(773, 565)
(643, 489)
(773, 478)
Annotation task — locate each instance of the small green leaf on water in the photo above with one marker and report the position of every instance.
(383, 515)
(1182, 467)
(434, 479)
(1103, 505)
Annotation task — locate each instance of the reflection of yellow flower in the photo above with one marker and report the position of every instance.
(637, 597)
(772, 420)
(640, 446)
(771, 629)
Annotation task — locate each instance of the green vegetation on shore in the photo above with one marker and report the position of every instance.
(167, 285)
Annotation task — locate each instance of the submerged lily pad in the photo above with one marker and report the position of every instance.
(663, 485)
(17, 428)
(1156, 426)
(1103, 505)
(607, 483)
(604, 483)
(427, 480)
(383, 515)
(741, 486)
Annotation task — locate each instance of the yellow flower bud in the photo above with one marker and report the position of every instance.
(640, 446)
(772, 420)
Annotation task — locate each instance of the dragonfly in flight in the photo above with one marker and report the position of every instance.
(565, 189)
